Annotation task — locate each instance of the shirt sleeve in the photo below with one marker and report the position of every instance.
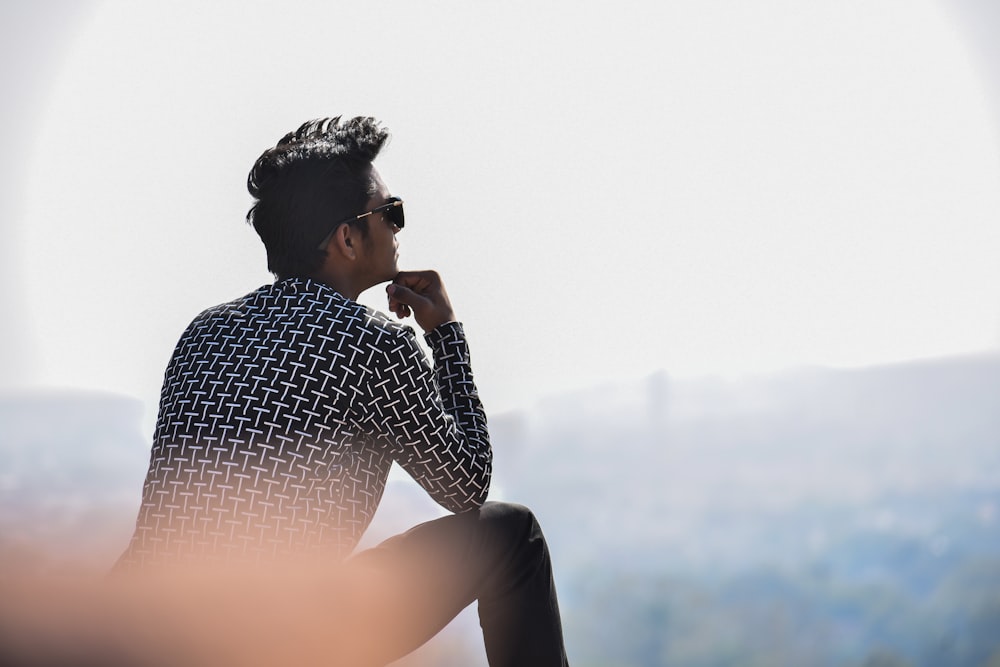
(432, 417)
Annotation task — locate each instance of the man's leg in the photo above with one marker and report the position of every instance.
(412, 585)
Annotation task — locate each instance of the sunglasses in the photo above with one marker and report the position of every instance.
(393, 210)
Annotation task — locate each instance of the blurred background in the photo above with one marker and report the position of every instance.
(729, 271)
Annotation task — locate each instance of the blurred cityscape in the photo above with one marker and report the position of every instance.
(813, 517)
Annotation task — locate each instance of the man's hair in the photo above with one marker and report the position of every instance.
(314, 177)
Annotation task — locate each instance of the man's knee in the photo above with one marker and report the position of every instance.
(507, 514)
(513, 524)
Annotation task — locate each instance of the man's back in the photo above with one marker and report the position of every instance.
(280, 416)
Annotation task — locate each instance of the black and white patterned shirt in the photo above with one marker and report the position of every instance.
(280, 416)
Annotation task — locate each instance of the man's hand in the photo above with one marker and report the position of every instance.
(423, 294)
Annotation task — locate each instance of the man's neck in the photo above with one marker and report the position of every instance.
(340, 284)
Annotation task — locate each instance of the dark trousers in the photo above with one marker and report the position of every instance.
(412, 585)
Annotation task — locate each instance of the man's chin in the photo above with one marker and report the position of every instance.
(388, 277)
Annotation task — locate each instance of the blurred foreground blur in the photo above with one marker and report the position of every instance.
(815, 517)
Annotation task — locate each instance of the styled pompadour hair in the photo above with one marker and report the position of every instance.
(312, 178)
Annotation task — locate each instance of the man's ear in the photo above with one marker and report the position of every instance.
(344, 242)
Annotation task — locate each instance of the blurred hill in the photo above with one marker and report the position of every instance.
(814, 517)
(71, 470)
(690, 464)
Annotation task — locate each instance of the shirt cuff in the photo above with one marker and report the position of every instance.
(449, 332)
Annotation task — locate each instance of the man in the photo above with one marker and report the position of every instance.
(282, 412)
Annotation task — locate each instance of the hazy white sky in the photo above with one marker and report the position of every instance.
(607, 188)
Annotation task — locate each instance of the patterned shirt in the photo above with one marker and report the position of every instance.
(280, 416)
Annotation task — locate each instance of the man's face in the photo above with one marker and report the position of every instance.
(380, 251)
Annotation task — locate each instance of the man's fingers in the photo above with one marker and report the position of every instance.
(418, 281)
(403, 295)
(399, 308)
(422, 293)
(403, 301)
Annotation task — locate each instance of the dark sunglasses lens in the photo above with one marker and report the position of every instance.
(396, 215)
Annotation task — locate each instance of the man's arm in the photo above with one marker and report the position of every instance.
(433, 417)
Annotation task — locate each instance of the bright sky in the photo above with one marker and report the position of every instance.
(607, 188)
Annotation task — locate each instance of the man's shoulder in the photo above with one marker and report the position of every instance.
(306, 302)
(376, 319)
